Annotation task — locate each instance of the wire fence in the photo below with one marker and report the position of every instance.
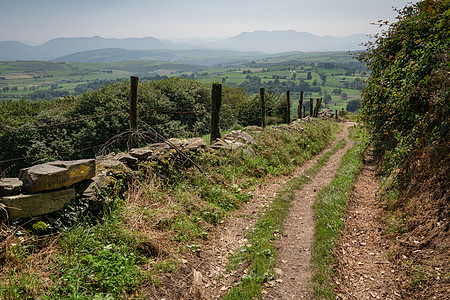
(148, 134)
(100, 148)
(90, 117)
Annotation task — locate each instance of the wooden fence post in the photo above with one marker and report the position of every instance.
(316, 111)
(133, 102)
(288, 109)
(300, 106)
(133, 140)
(216, 101)
(263, 108)
(311, 107)
(336, 116)
(304, 111)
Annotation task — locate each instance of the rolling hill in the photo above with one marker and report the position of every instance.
(194, 56)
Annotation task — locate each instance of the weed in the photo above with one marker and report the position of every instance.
(419, 278)
(165, 266)
(98, 261)
(21, 285)
(194, 248)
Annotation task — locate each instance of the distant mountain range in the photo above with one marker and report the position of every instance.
(111, 49)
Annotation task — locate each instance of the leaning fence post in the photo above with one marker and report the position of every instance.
(133, 110)
(300, 106)
(263, 108)
(216, 100)
(304, 111)
(319, 102)
(288, 109)
(311, 107)
(336, 115)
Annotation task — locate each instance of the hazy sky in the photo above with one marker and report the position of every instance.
(37, 21)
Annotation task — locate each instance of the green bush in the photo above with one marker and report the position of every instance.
(406, 102)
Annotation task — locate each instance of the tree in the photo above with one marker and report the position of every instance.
(337, 91)
(309, 76)
(327, 99)
(344, 96)
(323, 77)
(353, 105)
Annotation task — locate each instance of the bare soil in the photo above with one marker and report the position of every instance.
(363, 269)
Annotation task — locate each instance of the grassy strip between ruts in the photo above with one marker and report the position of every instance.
(330, 208)
(260, 254)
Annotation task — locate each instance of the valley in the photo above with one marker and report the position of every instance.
(337, 74)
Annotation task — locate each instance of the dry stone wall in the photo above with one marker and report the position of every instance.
(46, 188)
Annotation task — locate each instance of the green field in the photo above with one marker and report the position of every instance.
(340, 68)
(22, 78)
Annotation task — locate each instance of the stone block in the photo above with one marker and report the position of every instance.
(42, 177)
(195, 143)
(56, 175)
(220, 144)
(23, 206)
(105, 164)
(89, 188)
(141, 153)
(128, 160)
(78, 169)
(10, 186)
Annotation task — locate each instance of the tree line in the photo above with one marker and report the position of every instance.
(172, 107)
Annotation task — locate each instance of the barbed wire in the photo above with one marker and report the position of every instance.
(64, 123)
(173, 111)
(56, 153)
(90, 117)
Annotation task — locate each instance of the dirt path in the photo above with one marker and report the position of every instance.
(210, 281)
(294, 247)
(364, 271)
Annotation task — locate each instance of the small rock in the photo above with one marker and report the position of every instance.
(10, 186)
(278, 271)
